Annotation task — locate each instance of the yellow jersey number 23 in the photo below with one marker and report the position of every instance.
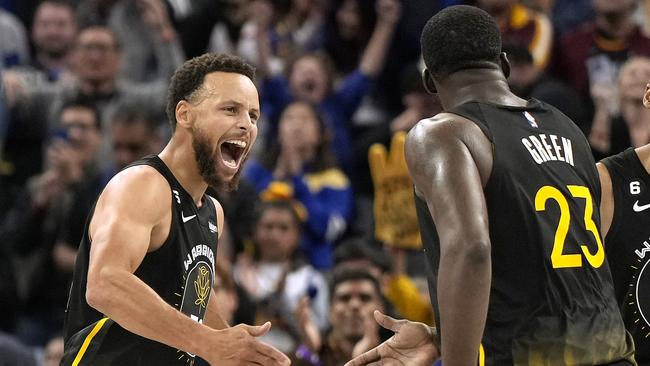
(559, 259)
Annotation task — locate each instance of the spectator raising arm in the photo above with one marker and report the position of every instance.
(372, 60)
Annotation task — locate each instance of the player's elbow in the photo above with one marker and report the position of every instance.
(473, 253)
(99, 289)
(479, 253)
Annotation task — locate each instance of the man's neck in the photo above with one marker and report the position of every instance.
(92, 88)
(51, 63)
(178, 155)
(477, 85)
(342, 345)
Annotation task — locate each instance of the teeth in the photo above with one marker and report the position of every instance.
(237, 142)
(231, 163)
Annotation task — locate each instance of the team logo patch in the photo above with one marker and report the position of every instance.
(195, 293)
(202, 286)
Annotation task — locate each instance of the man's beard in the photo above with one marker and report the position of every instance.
(57, 53)
(55, 50)
(354, 337)
(207, 163)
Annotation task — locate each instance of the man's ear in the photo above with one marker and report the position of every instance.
(184, 116)
(427, 81)
(505, 64)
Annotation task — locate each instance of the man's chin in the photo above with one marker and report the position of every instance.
(222, 183)
(354, 337)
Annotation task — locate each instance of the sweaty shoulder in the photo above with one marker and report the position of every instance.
(139, 194)
(445, 126)
(137, 184)
(444, 132)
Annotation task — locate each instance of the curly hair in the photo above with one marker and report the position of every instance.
(188, 78)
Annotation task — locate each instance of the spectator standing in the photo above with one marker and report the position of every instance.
(629, 126)
(521, 25)
(13, 40)
(354, 295)
(150, 47)
(278, 279)
(527, 82)
(301, 166)
(592, 55)
(311, 79)
(53, 34)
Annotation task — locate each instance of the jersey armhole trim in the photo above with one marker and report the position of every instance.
(172, 233)
(614, 226)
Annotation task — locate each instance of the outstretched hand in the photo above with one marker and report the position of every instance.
(240, 347)
(412, 345)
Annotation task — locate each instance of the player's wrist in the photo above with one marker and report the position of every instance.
(203, 339)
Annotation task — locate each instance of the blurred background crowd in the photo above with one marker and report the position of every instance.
(83, 95)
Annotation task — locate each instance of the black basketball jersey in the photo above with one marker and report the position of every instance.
(551, 298)
(627, 245)
(181, 271)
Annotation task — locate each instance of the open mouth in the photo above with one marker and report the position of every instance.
(310, 85)
(232, 151)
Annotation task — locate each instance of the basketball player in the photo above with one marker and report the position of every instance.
(506, 191)
(625, 214)
(144, 273)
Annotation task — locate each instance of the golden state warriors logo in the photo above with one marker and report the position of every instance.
(197, 286)
(202, 286)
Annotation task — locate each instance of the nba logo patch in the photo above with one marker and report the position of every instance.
(531, 119)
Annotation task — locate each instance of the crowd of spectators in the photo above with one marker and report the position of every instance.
(83, 93)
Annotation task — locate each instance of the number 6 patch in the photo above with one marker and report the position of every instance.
(636, 187)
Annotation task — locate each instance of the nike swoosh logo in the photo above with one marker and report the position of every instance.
(638, 208)
(188, 218)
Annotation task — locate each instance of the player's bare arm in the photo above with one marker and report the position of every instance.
(122, 232)
(450, 160)
(606, 199)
